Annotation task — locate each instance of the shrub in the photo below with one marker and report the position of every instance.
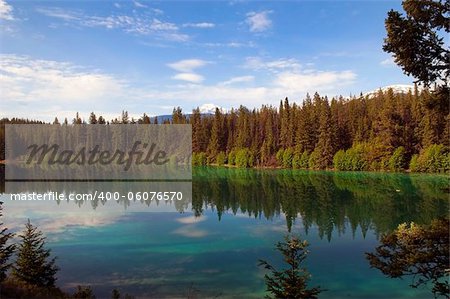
(221, 158)
(432, 159)
(339, 160)
(296, 161)
(279, 156)
(288, 154)
(232, 157)
(414, 164)
(355, 158)
(304, 160)
(397, 162)
(313, 162)
(244, 158)
(198, 159)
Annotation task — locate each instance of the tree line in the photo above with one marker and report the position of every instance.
(382, 132)
(385, 131)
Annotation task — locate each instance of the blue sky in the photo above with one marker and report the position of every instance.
(60, 57)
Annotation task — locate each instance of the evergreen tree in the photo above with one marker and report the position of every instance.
(417, 39)
(291, 282)
(6, 249)
(93, 119)
(325, 145)
(33, 264)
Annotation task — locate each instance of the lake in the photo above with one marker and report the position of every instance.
(209, 246)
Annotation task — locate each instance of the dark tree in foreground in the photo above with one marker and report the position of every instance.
(290, 282)
(417, 39)
(84, 292)
(6, 249)
(418, 251)
(33, 265)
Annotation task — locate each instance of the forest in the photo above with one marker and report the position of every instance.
(385, 131)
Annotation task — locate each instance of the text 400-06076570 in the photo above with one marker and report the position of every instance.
(101, 195)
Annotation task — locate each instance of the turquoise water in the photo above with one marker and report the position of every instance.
(210, 247)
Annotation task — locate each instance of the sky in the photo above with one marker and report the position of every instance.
(62, 57)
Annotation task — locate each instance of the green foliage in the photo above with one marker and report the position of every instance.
(313, 161)
(304, 160)
(221, 159)
(199, 159)
(232, 157)
(291, 282)
(355, 158)
(279, 156)
(417, 39)
(417, 251)
(397, 162)
(33, 265)
(434, 158)
(339, 160)
(287, 157)
(414, 164)
(296, 161)
(300, 160)
(6, 249)
(244, 158)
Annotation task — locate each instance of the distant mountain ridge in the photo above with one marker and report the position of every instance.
(396, 88)
(210, 109)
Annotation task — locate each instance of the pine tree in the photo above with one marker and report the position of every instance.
(93, 119)
(215, 141)
(101, 120)
(290, 282)
(6, 249)
(33, 264)
(325, 146)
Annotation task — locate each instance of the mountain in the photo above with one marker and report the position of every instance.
(396, 88)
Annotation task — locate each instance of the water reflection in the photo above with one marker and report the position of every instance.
(327, 199)
(332, 201)
(234, 217)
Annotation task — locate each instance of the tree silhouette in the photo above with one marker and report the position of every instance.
(33, 265)
(6, 250)
(290, 282)
(415, 39)
(418, 251)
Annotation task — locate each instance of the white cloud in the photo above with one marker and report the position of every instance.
(187, 65)
(287, 84)
(259, 21)
(189, 77)
(138, 24)
(248, 44)
(200, 25)
(191, 219)
(313, 81)
(140, 5)
(256, 63)
(388, 62)
(157, 11)
(117, 5)
(43, 89)
(59, 13)
(240, 79)
(158, 25)
(6, 11)
(49, 85)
